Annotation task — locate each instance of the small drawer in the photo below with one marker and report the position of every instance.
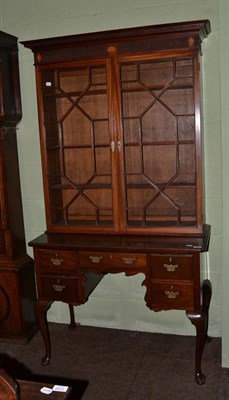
(58, 288)
(112, 260)
(174, 267)
(56, 261)
(167, 296)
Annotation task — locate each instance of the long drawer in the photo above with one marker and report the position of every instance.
(107, 259)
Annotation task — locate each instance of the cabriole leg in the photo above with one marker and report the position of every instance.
(206, 296)
(72, 324)
(198, 319)
(41, 308)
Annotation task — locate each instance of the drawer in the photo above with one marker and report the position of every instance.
(109, 260)
(174, 267)
(56, 261)
(167, 296)
(58, 288)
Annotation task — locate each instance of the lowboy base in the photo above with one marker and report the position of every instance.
(69, 267)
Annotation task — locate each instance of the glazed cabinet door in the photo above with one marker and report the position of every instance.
(121, 144)
(77, 147)
(160, 120)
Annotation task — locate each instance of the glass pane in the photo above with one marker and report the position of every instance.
(159, 149)
(75, 105)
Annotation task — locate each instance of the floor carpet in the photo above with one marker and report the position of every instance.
(109, 364)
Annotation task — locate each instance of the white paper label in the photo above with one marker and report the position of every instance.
(60, 388)
(46, 390)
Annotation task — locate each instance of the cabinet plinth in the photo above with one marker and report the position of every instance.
(120, 133)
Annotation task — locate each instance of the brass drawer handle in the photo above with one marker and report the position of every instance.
(58, 287)
(128, 260)
(56, 261)
(171, 295)
(170, 267)
(95, 259)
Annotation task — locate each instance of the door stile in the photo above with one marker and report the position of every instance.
(198, 140)
(113, 104)
(119, 146)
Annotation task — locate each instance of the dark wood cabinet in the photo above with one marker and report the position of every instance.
(11, 389)
(17, 284)
(120, 130)
(120, 133)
